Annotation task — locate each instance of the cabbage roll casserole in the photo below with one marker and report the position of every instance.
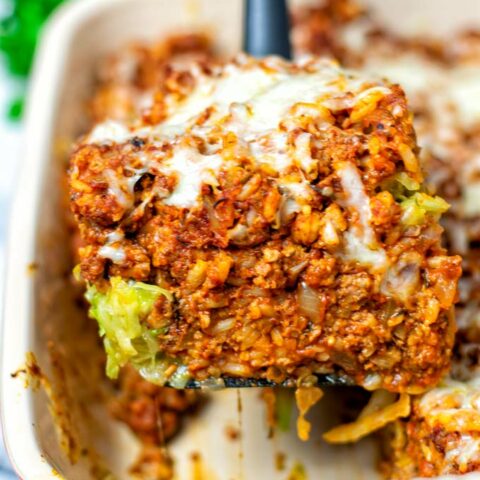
(264, 219)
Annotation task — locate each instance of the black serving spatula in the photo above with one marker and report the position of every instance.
(266, 28)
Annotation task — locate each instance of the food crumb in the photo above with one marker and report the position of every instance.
(298, 472)
(153, 462)
(199, 471)
(306, 398)
(32, 268)
(280, 461)
(56, 473)
(232, 432)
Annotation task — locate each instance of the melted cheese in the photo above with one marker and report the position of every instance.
(360, 240)
(452, 407)
(272, 150)
(252, 101)
(116, 254)
(115, 236)
(297, 190)
(303, 153)
(270, 107)
(119, 188)
(191, 170)
(269, 94)
(109, 131)
(461, 451)
(234, 86)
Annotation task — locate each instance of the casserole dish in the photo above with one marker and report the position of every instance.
(40, 304)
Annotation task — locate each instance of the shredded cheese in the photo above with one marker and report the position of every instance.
(360, 240)
(251, 101)
(191, 170)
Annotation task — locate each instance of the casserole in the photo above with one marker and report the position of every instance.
(265, 220)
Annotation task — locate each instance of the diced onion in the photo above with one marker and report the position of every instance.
(237, 369)
(212, 383)
(238, 233)
(180, 378)
(402, 279)
(288, 209)
(296, 270)
(154, 372)
(223, 325)
(311, 303)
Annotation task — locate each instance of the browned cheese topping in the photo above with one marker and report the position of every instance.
(280, 207)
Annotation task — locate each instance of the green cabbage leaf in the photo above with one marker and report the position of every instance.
(416, 204)
(419, 205)
(401, 186)
(119, 312)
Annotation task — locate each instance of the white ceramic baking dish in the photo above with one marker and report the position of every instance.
(39, 302)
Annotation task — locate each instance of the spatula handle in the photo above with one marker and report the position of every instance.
(266, 28)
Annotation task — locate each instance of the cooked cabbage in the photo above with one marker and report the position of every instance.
(416, 205)
(283, 408)
(407, 181)
(298, 472)
(419, 205)
(155, 367)
(401, 186)
(119, 312)
(377, 414)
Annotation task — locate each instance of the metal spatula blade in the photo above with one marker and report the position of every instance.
(232, 382)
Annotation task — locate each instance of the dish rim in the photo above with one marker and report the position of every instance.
(16, 415)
